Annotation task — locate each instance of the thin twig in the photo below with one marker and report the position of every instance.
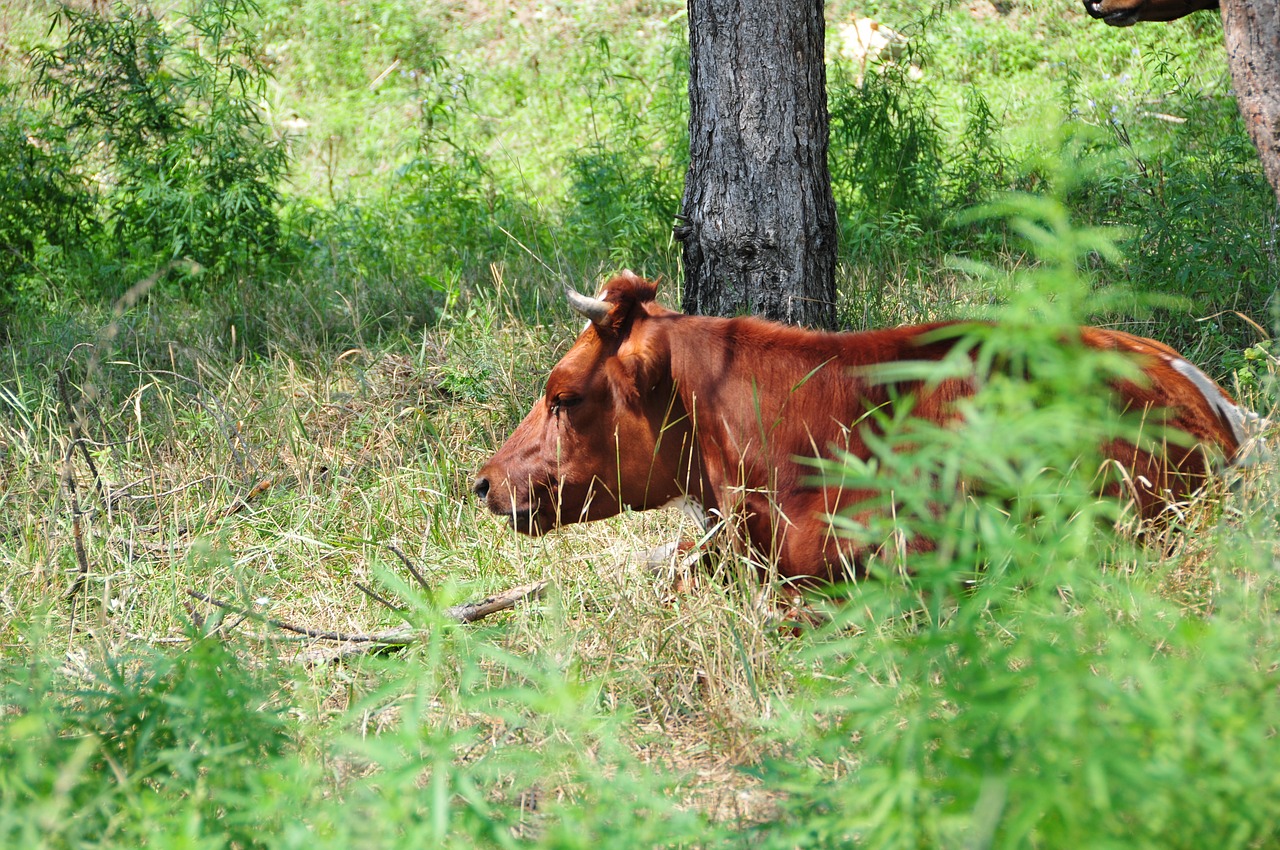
(413, 571)
(381, 600)
(468, 612)
(90, 396)
(122, 493)
(77, 532)
(395, 638)
(76, 422)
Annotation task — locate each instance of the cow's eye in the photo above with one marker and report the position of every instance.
(562, 401)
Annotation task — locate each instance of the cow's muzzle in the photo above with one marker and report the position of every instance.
(524, 520)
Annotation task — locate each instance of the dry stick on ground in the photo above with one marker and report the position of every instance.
(468, 612)
(76, 424)
(381, 600)
(395, 637)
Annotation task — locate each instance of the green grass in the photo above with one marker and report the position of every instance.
(448, 163)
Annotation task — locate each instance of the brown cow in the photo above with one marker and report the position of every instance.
(1126, 13)
(651, 407)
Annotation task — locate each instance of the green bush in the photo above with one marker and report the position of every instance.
(1171, 163)
(625, 186)
(171, 112)
(48, 209)
(886, 145)
(1019, 687)
(151, 745)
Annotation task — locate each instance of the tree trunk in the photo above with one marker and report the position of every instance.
(1252, 29)
(759, 220)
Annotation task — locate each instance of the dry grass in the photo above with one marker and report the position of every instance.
(280, 483)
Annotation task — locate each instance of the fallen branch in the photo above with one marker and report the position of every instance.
(76, 418)
(77, 531)
(393, 639)
(76, 422)
(380, 599)
(470, 612)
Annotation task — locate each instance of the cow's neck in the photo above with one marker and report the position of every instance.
(747, 388)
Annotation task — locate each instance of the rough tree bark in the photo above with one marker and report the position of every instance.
(1252, 29)
(758, 221)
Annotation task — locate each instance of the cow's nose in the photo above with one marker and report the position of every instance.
(481, 487)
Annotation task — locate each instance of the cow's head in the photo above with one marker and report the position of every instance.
(607, 432)
(1126, 13)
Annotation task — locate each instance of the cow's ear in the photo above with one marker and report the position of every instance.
(617, 324)
(631, 286)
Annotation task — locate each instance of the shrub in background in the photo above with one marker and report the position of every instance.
(344, 46)
(169, 113)
(896, 185)
(625, 185)
(1174, 167)
(886, 145)
(48, 206)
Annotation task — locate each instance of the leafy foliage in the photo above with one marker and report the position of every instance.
(173, 116)
(1017, 691)
(155, 744)
(625, 185)
(888, 144)
(48, 207)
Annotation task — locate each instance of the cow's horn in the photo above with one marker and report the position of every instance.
(592, 308)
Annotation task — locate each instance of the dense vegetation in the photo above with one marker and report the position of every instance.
(276, 277)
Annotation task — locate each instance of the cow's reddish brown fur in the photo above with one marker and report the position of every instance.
(1125, 13)
(655, 406)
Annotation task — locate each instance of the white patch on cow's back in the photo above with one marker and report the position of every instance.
(1244, 423)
